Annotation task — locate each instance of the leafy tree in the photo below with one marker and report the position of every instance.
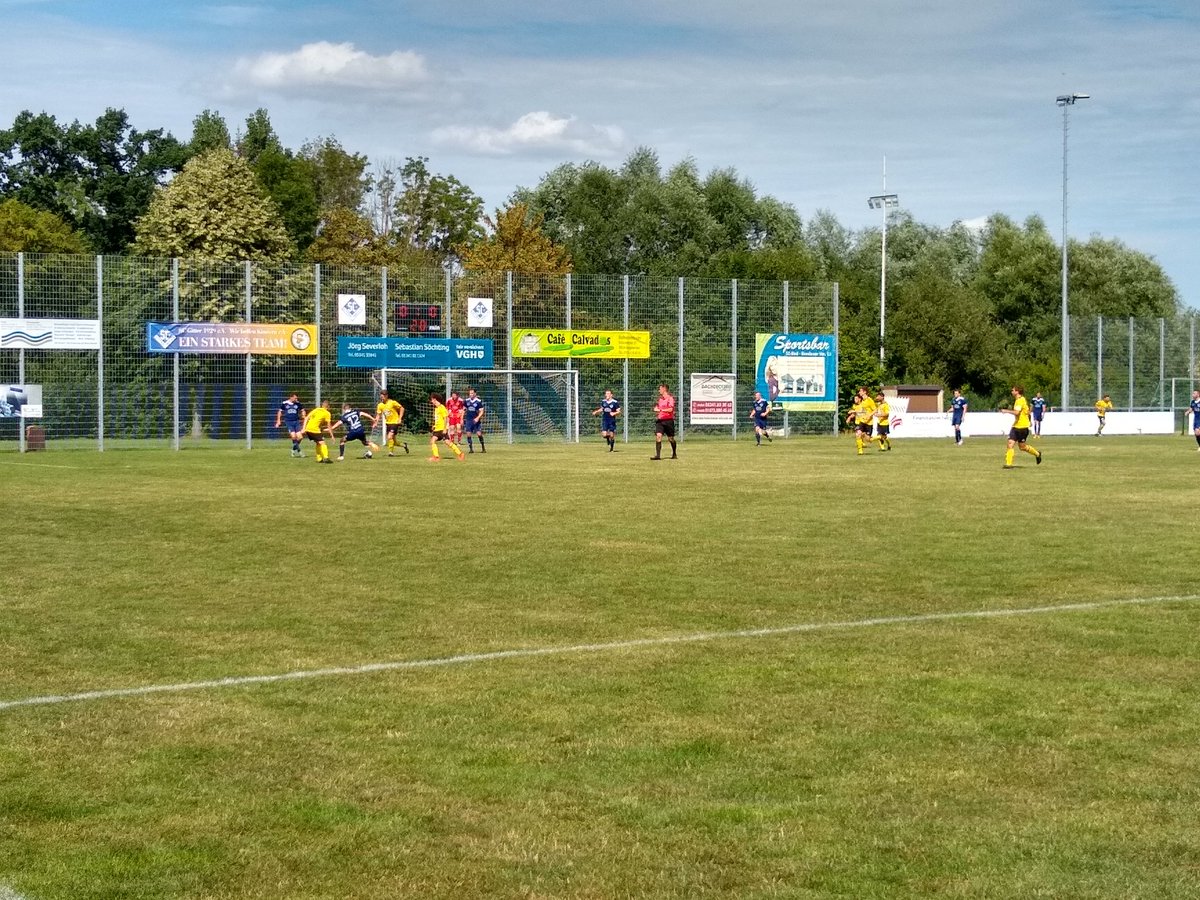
(214, 209)
(258, 137)
(29, 230)
(209, 132)
(435, 212)
(98, 178)
(348, 238)
(1109, 279)
(288, 181)
(339, 177)
(517, 244)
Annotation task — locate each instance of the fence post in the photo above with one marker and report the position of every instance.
(175, 356)
(625, 386)
(21, 352)
(567, 288)
(1131, 362)
(1192, 356)
(836, 374)
(508, 403)
(447, 318)
(1162, 361)
(733, 349)
(100, 354)
(317, 322)
(247, 269)
(787, 430)
(383, 324)
(1099, 356)
(679, 391)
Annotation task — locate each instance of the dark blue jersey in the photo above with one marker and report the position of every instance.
(610, 407)
(958, 406)
(473, 406)
(351, 420)
(760, 408)
(291, 410)
(1195, 408)
(1038, 407)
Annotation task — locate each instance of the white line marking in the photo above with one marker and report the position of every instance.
(7, 893)
(34, 465)
(368, 668)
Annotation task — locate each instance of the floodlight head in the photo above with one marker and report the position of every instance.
(1069, 99)
(879, 201)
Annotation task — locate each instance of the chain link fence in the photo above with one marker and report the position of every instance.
(124, 395)
(1142, 364)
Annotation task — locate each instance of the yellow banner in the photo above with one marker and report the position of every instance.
(565, 342)
(231, 337)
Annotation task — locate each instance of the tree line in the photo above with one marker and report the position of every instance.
(977, 309)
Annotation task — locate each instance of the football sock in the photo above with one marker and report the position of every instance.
(434, 451)
(1008, 457)
(673, 453)
(858, 443)
(482, 448)
(470, 443)
(1030, 450)
(1198, 439)
(295, 445)
(391, 442)
(758, 438)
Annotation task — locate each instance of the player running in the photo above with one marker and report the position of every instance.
(608, 411)
(392, 413)
(958, 413)
(292, 413)
(883, 422)
(1103, 405)
(1195, 408)
(1020, 430)
(1037, 407)
(318, 420)
(758, 415)
(864, 413)
(473, 412)
(440, 418)
(351, 420)
(664, 422)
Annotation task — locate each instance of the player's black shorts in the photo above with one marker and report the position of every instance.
(291, 426)
(761, 422)
(864, 427)
(392, 428)
(440, 436)
(358, 435)
(665, 427)
(315, 438)
(882, 430)
(1020, 435)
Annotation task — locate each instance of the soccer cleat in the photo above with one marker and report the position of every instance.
(406, 448)
(1008, 467)
(433, 459)
(655, 458)
(326, 460)
(462, 457)
(1038, 459)
(341, 459)
(390, 453)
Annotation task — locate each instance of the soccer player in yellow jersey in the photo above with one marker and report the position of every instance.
(1020, 430)
(864, 412)
(1103, 405)
(392, 414)
(316, 421)
(883, 422)
(441, 417)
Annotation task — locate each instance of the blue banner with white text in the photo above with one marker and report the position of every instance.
(414, 353)
(798, 371)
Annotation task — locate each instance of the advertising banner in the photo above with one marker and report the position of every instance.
(20, 400)
(479, 312)
(797, 371)
(414, 353)
(712, 398)
(49, 334)
(564, 342)
(231, 337)
(352, 309)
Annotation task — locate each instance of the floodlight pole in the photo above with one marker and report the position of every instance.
(1066, 101)
(885, 202)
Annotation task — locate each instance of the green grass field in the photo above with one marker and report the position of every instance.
(878, 749)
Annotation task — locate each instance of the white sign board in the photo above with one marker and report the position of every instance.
(352, 309)
(712, 399)
(20, 401)
(479, 312)
(49, 334)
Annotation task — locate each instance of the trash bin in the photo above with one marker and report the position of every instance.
(35, 437)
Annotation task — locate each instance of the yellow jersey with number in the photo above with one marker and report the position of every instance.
(866, 411)
(883, 413)
(1021, 408)
(1103, 406)
(440, 415)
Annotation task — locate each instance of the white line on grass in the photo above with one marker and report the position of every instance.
(368, 668)
(7, 893)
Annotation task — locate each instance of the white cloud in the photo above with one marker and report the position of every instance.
(327, 65)
(538, 131)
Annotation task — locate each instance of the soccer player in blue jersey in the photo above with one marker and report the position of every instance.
(292, 413)
(608, 410)
(958, 412)
(1037, 409)
(1195, 408)
(351, 420)
(473, 410)
(758, 415)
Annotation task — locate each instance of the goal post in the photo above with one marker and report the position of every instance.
(519, 404)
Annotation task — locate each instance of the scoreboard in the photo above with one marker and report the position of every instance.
(418, 318)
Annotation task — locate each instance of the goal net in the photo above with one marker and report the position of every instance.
(519, 404)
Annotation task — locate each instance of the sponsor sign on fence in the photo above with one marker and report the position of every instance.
(20, 401)
(231, 337)
(564, 342)
(798, 371)
(414, 353)
(49, 334)
(712, 398)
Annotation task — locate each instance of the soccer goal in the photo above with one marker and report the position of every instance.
(519, 404)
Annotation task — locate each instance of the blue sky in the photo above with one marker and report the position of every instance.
(804, 99)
